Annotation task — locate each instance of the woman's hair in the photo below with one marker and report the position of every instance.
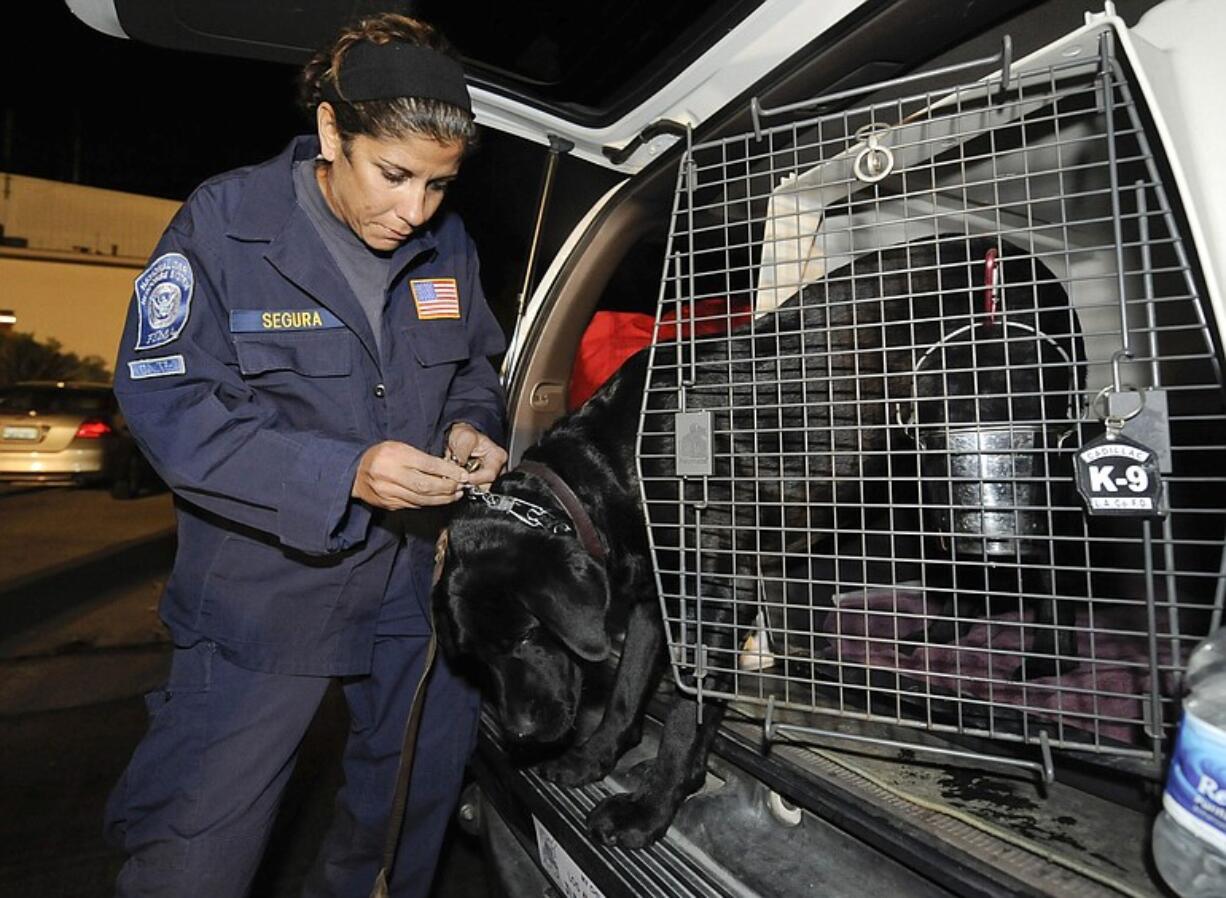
(384, 119)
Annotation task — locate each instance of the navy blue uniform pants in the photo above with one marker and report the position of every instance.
(194, 808)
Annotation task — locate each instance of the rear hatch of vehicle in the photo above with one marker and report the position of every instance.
(595, 75)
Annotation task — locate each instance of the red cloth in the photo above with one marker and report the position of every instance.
(612, 337)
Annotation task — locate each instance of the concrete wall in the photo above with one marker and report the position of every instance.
(50, 215)
(69, 257)
(82, 306)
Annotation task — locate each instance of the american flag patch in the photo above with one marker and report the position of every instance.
(436, 298)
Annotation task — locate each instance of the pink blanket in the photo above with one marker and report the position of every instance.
(883, 631)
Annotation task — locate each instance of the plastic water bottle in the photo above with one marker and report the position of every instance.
(1190, 834)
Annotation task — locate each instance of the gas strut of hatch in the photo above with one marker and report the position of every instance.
(557, 147)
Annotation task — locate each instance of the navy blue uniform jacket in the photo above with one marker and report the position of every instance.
(270, 387)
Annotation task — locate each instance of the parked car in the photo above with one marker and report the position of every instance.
(62, 433)
(893, 728)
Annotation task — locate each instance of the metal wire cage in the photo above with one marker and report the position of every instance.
(884, 333)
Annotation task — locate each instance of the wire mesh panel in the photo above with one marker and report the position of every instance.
(887, 334)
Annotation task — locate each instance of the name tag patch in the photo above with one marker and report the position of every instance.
(159, 367)
(436, 298)
(249, 321)
(164, 300)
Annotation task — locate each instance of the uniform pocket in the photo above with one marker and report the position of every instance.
(256, 594)
(310, 353)
(306, 375)
(165, 765)
(439, 343)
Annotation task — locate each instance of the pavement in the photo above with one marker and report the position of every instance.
(73, 670)
(43, 530)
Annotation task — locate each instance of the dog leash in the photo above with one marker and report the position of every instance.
(591, 542)
(400, 798)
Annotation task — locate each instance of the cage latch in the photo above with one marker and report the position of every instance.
(693, 449)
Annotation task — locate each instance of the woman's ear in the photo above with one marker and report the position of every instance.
(329, 134)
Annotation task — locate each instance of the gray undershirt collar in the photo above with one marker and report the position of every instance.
(364, 269)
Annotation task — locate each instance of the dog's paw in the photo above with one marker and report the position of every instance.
(631, 820)
(575, 768)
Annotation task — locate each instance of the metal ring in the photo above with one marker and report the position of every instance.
(887, 165)
(1107, 391)
(883, 157)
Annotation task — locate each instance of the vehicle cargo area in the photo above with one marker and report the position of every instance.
(943, 371)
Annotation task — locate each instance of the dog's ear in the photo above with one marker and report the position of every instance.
(446, 629)
(572, 604)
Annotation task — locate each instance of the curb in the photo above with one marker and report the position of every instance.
(31, 599)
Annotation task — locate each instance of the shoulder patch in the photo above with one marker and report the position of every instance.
(164, 300)
(163, 366)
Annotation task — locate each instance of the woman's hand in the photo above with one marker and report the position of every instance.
(396, 475)
(480, 456)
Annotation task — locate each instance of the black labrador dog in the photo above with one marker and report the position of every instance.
(545, 574)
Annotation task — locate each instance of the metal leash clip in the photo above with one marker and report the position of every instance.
(521, 509)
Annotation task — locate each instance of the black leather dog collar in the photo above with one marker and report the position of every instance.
(569, 501)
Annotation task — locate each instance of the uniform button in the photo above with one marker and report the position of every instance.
(380, 391)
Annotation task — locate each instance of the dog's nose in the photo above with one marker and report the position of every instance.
(520, 728)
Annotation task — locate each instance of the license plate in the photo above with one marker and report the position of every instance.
(561, 867)
(20, 433)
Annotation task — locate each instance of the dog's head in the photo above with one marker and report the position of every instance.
(528, 605)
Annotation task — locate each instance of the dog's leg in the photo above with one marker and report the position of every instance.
(1053, 650)
(638, 672)
(638, 818)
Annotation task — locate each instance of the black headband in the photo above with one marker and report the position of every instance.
(387, 71)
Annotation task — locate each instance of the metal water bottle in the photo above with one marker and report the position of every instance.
(1189, 839)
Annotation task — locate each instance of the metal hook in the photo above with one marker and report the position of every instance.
(1006, 63)
(991, 289)
(1125, 354)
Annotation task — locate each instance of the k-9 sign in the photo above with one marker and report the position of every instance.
(1118, 476)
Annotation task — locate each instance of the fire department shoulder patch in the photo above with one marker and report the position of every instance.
(164, 300)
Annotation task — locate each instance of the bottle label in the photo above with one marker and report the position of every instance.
(1196, 785)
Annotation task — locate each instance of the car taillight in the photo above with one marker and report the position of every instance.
(92, 430)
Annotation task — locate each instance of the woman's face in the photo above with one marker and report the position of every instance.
(384, 189)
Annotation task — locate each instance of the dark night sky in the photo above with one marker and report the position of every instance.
(132, 117)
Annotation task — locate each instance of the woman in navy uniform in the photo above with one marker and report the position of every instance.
(305, 363)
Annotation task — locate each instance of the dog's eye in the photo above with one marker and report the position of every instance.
(510, 641)
(527, 636)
